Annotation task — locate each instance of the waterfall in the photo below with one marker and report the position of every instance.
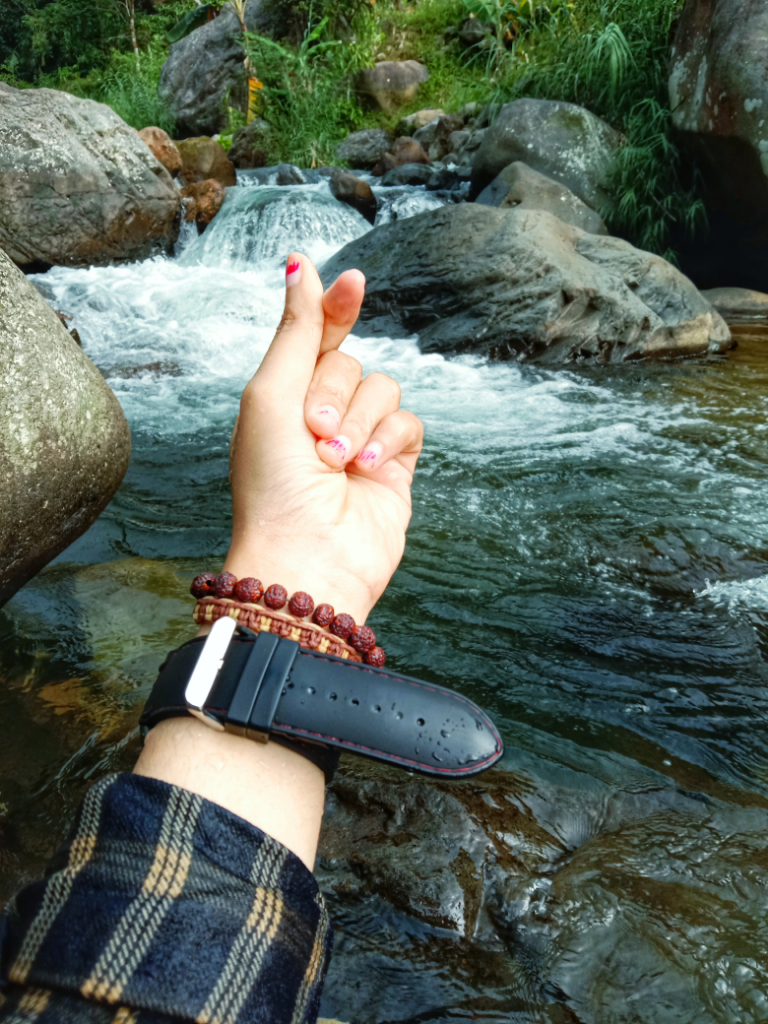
(263, 225)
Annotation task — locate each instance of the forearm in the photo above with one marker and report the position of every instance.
(277, 790)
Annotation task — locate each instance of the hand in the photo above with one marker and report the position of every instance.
(321, 461)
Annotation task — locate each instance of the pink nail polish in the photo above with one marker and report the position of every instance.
(369, 455)
(340, 445)
(330, 415)
(292, 273)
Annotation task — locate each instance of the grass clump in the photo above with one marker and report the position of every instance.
(130, 91)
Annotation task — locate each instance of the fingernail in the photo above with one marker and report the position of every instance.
(330, 416)
(292, 273)
(340, 445)
(370, 454)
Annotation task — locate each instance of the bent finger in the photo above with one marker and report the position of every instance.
(376, 398)
(399, 436)
(337, 377)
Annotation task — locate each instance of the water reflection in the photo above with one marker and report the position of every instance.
(588, 559)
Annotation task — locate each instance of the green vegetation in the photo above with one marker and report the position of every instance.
(307, 93)
(85, 47)
(607, 55)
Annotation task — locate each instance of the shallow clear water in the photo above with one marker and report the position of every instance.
(588, 559)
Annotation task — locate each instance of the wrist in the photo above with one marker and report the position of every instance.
(299, 571)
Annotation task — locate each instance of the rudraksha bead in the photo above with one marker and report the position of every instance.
(248, 590)
(362, 638)
(225, 584)
(301, 605)
(375, 658)
(275, 596)
(324, 614)
(342, 625)
(202, 585)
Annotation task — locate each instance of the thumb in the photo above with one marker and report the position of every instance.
(289, 364)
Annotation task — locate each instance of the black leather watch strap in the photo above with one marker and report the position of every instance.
(268, 686)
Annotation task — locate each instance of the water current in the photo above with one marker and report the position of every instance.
(588, 559)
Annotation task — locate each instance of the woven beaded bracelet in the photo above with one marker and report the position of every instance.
(249, 591)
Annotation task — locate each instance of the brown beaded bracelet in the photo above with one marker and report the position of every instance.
(225, 595)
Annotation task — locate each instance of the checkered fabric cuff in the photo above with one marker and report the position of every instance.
(163, 903)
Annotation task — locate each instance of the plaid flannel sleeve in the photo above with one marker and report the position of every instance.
(164, 905)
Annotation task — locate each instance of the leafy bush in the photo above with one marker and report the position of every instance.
(307, 96)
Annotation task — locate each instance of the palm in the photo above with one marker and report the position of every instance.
(321, 502)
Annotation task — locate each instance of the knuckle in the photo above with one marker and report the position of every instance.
(288, 319)
(334, 387)
(387, 385)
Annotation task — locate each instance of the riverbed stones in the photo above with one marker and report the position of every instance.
(391, 83)
(561, 140)
(203, 158)
(718, 89)
(250, 145)
(738, 302)
(409, 174)
(205, 70)
(65, 442)
(520, 186)
(413, 122)
(521, 284)
(355, 193)
(163, 148)
(277, 174)
(365, 148)
(78, 185)
(404, 151)
(205, 199)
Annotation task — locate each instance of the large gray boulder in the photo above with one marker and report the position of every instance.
(365, 148)
(561, 140)
(522, 284)
(77, 185)
(65, 443)
(207, 67)
(519, 185)
(718, 89)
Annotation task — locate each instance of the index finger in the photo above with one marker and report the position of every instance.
(289, 364)
(313, 323)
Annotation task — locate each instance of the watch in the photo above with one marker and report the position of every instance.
(264, 687)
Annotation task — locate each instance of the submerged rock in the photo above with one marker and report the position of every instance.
(66, 444)
(561, 140)
(521, 284)
(78, 185)
(392, 83)
(520, 186)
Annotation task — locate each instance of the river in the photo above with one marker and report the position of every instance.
(588, 559)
